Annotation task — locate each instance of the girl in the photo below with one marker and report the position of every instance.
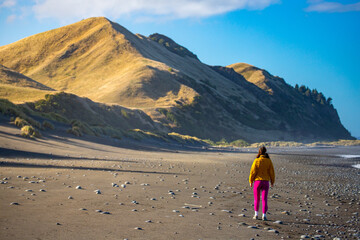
(262, 171)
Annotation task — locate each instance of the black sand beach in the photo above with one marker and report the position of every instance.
(149, 193)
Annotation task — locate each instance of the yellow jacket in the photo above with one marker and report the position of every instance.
(262, 169)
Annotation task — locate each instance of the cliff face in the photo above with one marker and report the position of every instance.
(101, 60)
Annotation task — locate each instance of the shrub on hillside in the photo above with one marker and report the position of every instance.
(10, 109)
(19, 122)
(47, 125)
(29, 131)
(240, 143)
(75, 131)
(84, 127)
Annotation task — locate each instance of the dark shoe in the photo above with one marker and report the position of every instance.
(264, 218)
(255, 217)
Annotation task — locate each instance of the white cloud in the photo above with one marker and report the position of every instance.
(11, 18)
(69, 10)
(323, 6)
(7, 3)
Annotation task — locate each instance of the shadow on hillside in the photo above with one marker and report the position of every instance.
(151, 145)
(29, 165)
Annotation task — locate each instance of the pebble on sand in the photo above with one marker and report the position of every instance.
(97, 191)
(14, 203)
(78, 187)
(253, 227)
(228, 211)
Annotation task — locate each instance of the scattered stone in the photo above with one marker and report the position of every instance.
(79, 187)
(14, 203)
(148, 221)
(138, 228)
(97, 191)
(83, 209)
(278, 222)
(241, 215)
(114, 185)
(105, 213)
(228, 211)
(42, 190)
(153, 199)
(70, 197)
(99, 211)
(253, 227)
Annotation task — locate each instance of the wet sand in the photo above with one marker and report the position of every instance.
(165, 192)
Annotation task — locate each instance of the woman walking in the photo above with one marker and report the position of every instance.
(262, 171)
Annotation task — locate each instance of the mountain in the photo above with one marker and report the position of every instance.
(103, 61)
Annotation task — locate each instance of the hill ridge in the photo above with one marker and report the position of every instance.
(103, 61)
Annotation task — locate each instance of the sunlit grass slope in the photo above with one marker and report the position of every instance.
(97, 59)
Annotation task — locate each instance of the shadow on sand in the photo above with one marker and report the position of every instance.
(30, 165)
(11, 153)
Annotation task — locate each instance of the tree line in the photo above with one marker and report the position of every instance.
(314, 94)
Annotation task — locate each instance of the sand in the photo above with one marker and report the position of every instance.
(153, 191)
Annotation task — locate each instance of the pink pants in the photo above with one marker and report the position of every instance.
(262, 186)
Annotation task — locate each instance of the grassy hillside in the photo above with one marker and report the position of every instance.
(21, 94)
(97, 59)
(19, 88)
(13, 78)
(78, 116)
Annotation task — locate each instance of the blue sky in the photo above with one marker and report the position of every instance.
(310, 42)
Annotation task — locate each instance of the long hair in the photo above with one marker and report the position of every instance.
(262, 151)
